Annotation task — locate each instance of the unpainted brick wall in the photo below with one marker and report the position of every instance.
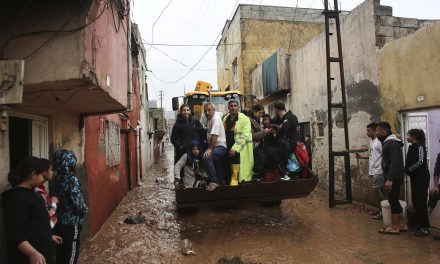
(389, 27)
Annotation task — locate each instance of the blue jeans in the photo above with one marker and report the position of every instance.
(214, 165)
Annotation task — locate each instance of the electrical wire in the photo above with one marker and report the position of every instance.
(195, 65)
(191, 68)
(160, 15)
(68, 31)
(57, 98)
(189, 45)
(181, 63)
(189, 34)
(291, 27)
(199, 29)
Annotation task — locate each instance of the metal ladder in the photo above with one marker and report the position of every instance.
(334, 14)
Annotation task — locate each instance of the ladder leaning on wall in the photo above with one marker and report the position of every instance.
(341, 106)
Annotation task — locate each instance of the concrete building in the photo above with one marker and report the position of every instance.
(256, 32)
(84, 90)
(391, 73)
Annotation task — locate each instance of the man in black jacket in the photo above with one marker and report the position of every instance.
(185, 130)
(393, 172)
(286, 133)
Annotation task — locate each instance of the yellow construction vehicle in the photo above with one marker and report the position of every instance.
(269, 193)
(202, 94)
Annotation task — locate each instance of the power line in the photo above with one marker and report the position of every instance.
(197, 30)
(160, 15)
(190, 30)
(197, 63)
(190, 45)
(291, 27)
(191, 69)
(8, 41)
(180, 62)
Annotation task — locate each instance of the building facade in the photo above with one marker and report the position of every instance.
(256, 32)
(84, 90)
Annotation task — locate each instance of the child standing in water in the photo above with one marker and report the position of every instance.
(71, 208)
(26, 218)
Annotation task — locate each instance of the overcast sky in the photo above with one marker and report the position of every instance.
(200, 22)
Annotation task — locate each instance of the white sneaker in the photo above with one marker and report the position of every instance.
(285, 178)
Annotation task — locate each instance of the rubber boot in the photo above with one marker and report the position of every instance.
(235, 168)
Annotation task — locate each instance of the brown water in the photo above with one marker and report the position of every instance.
(299, 231)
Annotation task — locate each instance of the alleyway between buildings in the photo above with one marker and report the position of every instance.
(299, 231)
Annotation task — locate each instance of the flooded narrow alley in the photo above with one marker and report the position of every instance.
(299, 231)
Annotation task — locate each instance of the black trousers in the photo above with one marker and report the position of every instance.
(258, 162)
(419, 195)
(68, 251)
(393, 197)
(275, 156)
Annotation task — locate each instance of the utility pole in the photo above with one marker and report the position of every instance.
(161, 93)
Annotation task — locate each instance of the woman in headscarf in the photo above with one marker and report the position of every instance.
(71, 208)
(191, 162)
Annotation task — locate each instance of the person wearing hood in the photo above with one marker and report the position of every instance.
(71, 207)
(185, 130)
(286, 133)
(191, 162)
(416, 167)
(393, 173)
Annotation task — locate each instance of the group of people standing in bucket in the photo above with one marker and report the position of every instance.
(233, 148)
(387, 170)
(36, 222)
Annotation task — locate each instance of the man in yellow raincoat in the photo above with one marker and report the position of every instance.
(239, 143)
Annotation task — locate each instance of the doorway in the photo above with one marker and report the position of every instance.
(427, 120)
(27, 137)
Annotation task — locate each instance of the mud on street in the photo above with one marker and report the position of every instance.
(299, 231)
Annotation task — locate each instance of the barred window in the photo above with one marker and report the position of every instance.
(112, 144)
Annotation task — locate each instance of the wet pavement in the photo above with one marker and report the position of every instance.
(298, 231)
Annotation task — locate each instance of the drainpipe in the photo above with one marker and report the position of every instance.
(129, 68)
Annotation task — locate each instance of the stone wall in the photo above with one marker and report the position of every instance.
(389, 27)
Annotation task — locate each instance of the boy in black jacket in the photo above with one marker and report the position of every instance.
(393, 172)
(286, 133)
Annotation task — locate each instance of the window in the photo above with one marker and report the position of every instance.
(235, 71)
(112, 144)
(320, 129)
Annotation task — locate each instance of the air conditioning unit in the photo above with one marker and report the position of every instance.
(11, 81)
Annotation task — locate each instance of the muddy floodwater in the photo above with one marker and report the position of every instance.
(298, 231)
